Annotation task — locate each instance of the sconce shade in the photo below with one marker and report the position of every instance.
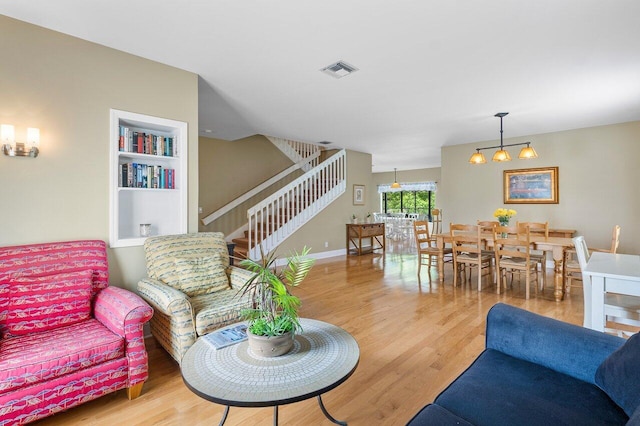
(7, 134)
(501, 155)
(33, 137)
(527, 152)
(477, 158)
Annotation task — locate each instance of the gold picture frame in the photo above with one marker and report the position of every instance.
(358, 195)
(531, 186)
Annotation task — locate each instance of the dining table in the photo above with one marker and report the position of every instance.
(554, 245)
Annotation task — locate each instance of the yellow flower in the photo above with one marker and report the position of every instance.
(504, 214)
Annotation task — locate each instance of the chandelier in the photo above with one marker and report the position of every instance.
(526, 152)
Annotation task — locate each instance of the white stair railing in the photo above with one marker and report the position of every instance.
(274, 219)
(298, 151)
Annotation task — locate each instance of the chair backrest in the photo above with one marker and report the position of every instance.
(487, 225)
(436, 219)
(511, 242)
(465, 239)
(582, 251)
(615, 239)
(421, 233)
(42, 259)
(534, 227)
(161, 251)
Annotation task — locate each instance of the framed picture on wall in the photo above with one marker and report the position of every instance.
(531, 186)
(358, 195)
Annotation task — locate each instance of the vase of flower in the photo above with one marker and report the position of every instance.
(503, 216)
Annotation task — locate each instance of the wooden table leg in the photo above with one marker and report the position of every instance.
(440, 245)
(557, 273)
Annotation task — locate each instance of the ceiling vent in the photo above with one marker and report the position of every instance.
(339, 69)
(325, 143)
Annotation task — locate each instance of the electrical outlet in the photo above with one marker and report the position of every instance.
(326, 244)
(199, 209)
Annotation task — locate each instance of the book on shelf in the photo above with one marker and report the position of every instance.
(146, 143)
(226, 336)
(137, 175)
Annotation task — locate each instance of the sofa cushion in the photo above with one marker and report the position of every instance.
(619, 375)
(433, 414)
(195, 275)
(500, 389)
(37, 304)
(37, 357)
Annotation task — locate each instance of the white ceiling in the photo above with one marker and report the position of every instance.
(431, 73)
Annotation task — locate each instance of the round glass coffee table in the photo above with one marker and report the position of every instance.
(323, 357)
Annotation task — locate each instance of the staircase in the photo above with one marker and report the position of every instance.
(298, 151)
(274, 219)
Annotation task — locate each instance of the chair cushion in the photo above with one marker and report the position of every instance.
(30, 359)
(215, 310)
(196, 275)
(37, 304)
(501, 389)
(619, 375)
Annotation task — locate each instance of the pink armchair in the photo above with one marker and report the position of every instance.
(66, 337)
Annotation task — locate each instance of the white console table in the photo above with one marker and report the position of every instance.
(609, 273)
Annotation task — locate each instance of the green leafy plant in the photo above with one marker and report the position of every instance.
(275, 309)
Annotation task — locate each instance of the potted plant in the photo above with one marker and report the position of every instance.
(354, 218)
(273, 320)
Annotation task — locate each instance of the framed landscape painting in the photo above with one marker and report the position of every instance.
(531, 186)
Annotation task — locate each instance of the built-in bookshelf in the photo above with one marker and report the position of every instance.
(148, 182)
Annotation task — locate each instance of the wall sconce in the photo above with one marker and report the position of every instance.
(19, 149)
(501, 154)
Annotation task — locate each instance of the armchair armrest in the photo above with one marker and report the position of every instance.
(125, 314)
(557, 345)
(164, 298)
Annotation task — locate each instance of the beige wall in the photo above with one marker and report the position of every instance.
(405, 176)
(66, 86)
(229, 169)
(599, 174)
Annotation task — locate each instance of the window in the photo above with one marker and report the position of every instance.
(417, 198)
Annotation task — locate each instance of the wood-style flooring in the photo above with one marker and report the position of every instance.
(414, 339)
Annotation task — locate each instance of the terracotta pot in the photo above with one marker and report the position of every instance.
(270, 346)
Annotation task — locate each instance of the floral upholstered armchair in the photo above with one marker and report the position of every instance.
(191, 287)
(67, 337)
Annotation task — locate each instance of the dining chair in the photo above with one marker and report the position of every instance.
(513, 253)
(539, 256)
(466, 243)
(427, 251)
(436, 221)
(572, 271)
(486, 226)
(618, 308)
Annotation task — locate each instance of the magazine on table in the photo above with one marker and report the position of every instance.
(227, 336)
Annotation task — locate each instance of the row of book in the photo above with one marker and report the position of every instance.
(136, 175)
(146, 143)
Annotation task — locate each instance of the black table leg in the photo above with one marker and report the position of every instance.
(327, 415)
(275, 415)
(224, 416)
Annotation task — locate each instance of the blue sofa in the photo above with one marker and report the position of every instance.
(540, 371)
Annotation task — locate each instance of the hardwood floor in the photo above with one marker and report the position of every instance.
(414, 339)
